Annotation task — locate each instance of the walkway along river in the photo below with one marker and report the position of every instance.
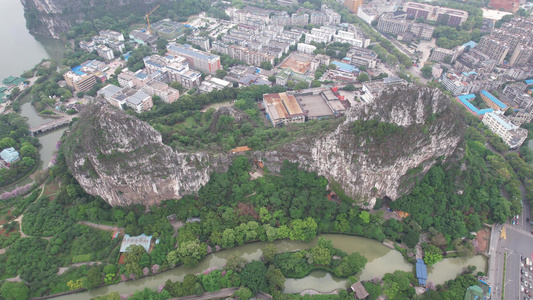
(381, 260)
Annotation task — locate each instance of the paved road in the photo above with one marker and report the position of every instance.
(101, 226)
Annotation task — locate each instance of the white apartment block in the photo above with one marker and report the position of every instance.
(306, 48)
(157, 88)
(511, 134)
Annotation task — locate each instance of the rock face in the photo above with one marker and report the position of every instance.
(368, 169)
(53, 17)
(122, 159)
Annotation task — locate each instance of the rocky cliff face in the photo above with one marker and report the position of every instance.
(123, 160)
(53, 17)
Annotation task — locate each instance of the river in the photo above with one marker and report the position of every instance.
(21, 51)
(381, 260)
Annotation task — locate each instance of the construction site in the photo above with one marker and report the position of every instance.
(298, 62)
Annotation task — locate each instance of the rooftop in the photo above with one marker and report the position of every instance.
(142, 240)
(9, 155)
(493, 99)
(314, 105)
(504, 122)
(421, 271)
(345, 67)
(465, 99)
(283, 105)
(190, 51)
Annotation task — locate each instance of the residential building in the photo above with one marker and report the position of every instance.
(201, 41)
(441, 55)
(212, 84)
(281, 19)
(511, 134)
(394, 23)
(492, 101)
(105, 52)
(318, 18)
(333, 17)
(520, 117)
(9, 155)
(252, 79)
(306, 48)
(88, 46)
(299, 19)
(80, 82)
(521, 55)
(451, 17)
(518, 92)
(112, 35)
(197, 59)
(351, 38)
(494, 48)
(475, 60)
(422, 31)
(319, 60)
(353, 5)
(139, 102)
(282, 109)
(436, 70)
(362, 57)
(122, 97)
(157, 88)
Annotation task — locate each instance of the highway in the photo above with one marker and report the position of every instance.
(516, 242)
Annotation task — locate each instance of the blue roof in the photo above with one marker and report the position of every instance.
(493, 99)
(472, 44)
(77, 68)
(345, 67)
(79, 73)
(529, 81)
(465, 100)
(9, 155)
(421, 271)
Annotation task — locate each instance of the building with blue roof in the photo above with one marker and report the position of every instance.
(9, 155)
(470, 44)
(345, 67)
(141, 240)
(465, 101)
(529, 81)
(421, 271)
(492, 101)
(510, 133)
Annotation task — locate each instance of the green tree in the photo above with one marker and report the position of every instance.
(363, 76)
(254, 276)
(301, 85)
(243, 293)
(275, 278)
(266, 65)
(426, 71)
(14, 291)
(94, 278)
(290, 84)
(432, 255)
(269, 252)
(221, 73)
(303, 230)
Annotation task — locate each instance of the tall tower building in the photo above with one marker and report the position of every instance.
(353, 5)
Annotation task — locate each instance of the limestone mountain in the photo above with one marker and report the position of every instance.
(378, 150)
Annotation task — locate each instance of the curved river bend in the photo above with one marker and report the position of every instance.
(381, 260)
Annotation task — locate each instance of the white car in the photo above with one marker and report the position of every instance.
(526, 274)
(522, 288)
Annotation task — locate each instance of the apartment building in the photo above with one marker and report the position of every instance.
(362, 57)
(105, 52)
(452, 17)
(494, 48)
(127, 97)
(80, 82)
(112, 35)
(499, 124)
(475, 60)
(394, 23)
(197, 59)
(372, 89)
(158, 88)
(492, 101)
(306, 48)
(440, 54)
(201, 41)
(422, 31)
(521, 55)
(213, 84)
(299, 19)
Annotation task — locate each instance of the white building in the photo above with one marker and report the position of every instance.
(306, 48)
(105, 52)
(511, 134)
(212, 84)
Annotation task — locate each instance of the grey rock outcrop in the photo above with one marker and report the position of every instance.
(123, 160)
(53, 17)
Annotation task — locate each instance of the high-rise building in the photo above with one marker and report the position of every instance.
(353, 5)
(521, 55)
(511, 134)
(494, 48)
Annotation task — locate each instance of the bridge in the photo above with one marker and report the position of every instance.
(50, 126)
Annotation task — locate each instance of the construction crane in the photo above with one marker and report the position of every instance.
(148, 20)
